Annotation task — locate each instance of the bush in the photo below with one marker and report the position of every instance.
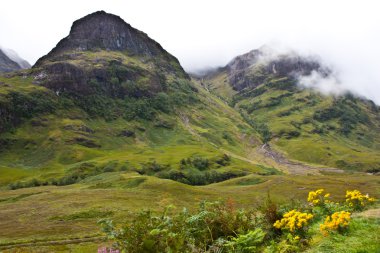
(224, 160)
(214, 225)
(150, 168)
(336, 222)
(294, 221)
(357, 201)
(246, 242)
(220, 227)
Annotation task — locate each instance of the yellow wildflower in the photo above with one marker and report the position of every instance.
(357, 200)
(336, 222)
(317, 198)
(293, 220)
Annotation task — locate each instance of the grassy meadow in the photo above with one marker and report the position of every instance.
(62, 170)
(48, 214)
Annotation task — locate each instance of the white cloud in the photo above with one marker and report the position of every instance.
(327, 85)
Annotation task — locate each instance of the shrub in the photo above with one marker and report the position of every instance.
(318, 198)
(246, 242)
(356, 200)
(224, 160)
(336, 222)
(213, 223)
(150, 168)
(201, 163)
(294, 221)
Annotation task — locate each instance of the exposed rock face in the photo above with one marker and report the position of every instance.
(6, 64)
(102, 55)
(101, 30)
(252, 68)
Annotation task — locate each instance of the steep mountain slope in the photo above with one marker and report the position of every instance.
(10, 61)
(16, 58)
(6, 64)
(109, 98)
(341, 131)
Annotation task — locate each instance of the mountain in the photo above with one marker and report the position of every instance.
(10, 61)
(108, 123)
(6, 64)
(342, 131)
(16, 58)
(100, 47)
(109, 98)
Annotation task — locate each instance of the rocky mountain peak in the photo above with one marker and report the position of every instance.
(104, 55)
(104, 31)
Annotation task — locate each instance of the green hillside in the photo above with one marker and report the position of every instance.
(341, 132)
(109, 124)
(77, 114)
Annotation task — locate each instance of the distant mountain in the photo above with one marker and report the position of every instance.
(342, 131)
(10, 61)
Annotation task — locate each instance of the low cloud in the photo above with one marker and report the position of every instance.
(327, 85)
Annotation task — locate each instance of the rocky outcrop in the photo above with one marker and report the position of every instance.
(101, 30)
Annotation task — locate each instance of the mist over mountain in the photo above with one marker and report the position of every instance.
(16, 58)
(11, 61)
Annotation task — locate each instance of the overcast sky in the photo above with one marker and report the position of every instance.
(200, 33)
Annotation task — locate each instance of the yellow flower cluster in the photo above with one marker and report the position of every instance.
(336, 221)
(356, 199)
(293, 220)
(317, 198)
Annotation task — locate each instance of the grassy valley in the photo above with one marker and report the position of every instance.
(108, 125)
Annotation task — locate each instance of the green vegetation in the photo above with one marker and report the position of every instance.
(340, 132)
(220, 226)
(360, 237)
(70, 144)
(20, 100)
(127, 193)
(123, 133)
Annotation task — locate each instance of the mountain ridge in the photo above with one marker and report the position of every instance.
(267, 92)
(10, 61)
